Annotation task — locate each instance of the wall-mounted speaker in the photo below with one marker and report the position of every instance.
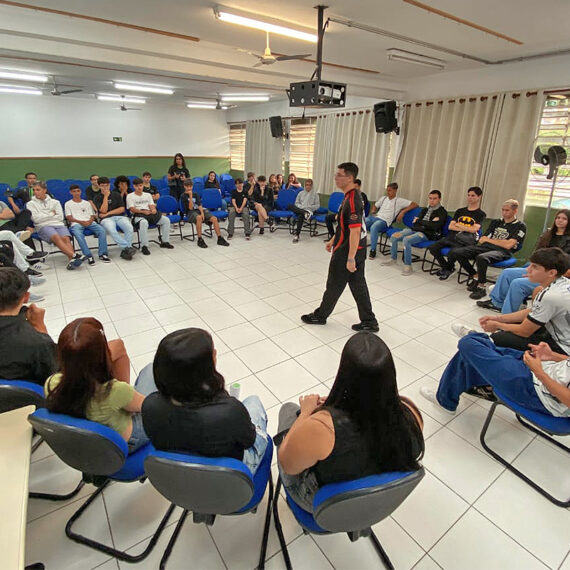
(276, 127)
(385, 117)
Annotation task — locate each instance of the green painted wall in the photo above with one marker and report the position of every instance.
(13, 169)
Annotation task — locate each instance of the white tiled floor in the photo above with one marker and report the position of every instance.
(467, 513)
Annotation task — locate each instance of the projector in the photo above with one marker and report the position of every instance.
(317, 93)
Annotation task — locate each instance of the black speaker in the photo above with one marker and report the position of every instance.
(276, 127)
(385, 117)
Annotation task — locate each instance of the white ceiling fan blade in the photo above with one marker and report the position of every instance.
(288, 57)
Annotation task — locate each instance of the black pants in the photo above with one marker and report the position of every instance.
(508, 339)
(435, 250)
(330, 220)
(19, 223)
(300, 217)
(483, 256)
(339, 276)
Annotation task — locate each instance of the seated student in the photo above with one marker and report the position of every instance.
(196, 214)
(15, 253)
(47, 216)
(503, 237)
(274, 185)
(280, 181)
(251, 183)
(293, 183)
(212, 182)
(513, 286)
(362, 428)
(150, 188)
(239, 206)
(20, 232)
(112, 215)
(384, 212)
(306, 203)
(81, 216)
(17, 201)
(142, 207)
(122, 185)
(192, 412)
(463, 230)
(261, 198)
(93, 190)
(333, 217)
(548, 319)
(89, 383)
(537, 379)
(27, 351)
(427, 226)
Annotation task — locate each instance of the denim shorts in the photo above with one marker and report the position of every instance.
(47, 232)
(138, 435)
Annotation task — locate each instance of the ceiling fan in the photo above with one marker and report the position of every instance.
(268, 58)
(56, 92)
(123, 107)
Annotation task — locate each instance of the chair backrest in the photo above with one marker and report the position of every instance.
(87, 446)
(335, 200)
(286, 198)
(167, 205)
(205, 485)
(211, 199)
(409, 217)
(198, 182)
(445, 229)
(359, 504)
(19, 393)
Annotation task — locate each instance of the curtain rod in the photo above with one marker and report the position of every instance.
(360, 110)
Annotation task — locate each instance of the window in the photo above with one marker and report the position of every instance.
(237, 146)
(554, 130)
(301, 146)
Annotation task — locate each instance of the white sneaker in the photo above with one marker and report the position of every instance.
(296, 239)
(408, 270)
(390, 262)
(490, 289)
(23, 235)
(429, 394)
(461, 330)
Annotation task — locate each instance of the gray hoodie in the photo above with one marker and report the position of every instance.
(308, 200)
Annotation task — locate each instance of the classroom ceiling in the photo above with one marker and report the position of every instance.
(91, 44)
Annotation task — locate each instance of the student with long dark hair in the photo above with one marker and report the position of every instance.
(363, 427)
(92, 384)
(176, 175)
(192, 412)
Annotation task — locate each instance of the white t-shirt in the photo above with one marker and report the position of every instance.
(559, 372)
(81, 211)
(142, 202)
(388, 209)
(551, 308)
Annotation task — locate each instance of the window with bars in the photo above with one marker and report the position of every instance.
(554, 130)
(301, 146)
(237, 146)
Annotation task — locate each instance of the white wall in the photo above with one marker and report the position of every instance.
(552, 72)
(65, 126)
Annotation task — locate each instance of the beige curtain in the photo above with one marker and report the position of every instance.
(263, 153)
(472, 141)
(350, 137)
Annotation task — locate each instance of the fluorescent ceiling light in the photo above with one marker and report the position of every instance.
(21, 76)
(143, 88)
(203, 106)
(264, 26)
(415, 58)
(119, 99)
(236, 98)
(20, 91)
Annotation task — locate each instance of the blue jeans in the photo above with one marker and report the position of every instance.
(252, 457)
(511, 289)
(163, 228)
(375, 226)
(408, 237)
(78, 232)
(144, 385)
(479, 362)
(112, 226)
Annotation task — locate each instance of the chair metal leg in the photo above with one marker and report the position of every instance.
(55, 497)
(279, 528)
(37, 444)
(513, 469)
(119, 554)
(264, 540)
(172, 540)
(381, 552)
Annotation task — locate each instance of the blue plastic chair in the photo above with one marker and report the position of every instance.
(212, 200)
(186, 221)
(198, 183)
(3, 188)
(352, 507)
(101, 454)
(169, 207)
(227, 184)
(211, 486)
(424, 245)
(333, 206)
(543, 425)
(284, 199)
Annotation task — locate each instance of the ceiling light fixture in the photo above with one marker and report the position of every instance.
(204, 106)
(119, 99)
(21, 76)
(20, 90)
(415, 58)
(224, 16)
(238, 98)
(143, 88)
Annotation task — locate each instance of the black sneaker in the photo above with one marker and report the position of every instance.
(261, 231)
(36, 256)
(247, 236)
(370, 327)
(372, 254)
(33, 273)
(74, 262)
(230, 236)
(483, 392)
(472, 285)
(166, 245)
(488, 304)
(145, 250)
(105, 258)
(479, 293)
(222, 241)
(132, 251)
(202, 243)
(312, 319)
(126, 254)
(90, 260)
(446, 274)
